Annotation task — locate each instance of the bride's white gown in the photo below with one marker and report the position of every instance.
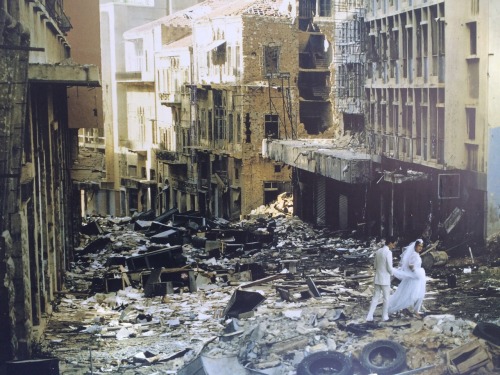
(411, 291)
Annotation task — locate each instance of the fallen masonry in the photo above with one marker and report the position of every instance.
(181, 294)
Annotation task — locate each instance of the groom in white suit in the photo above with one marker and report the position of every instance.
(382, 280)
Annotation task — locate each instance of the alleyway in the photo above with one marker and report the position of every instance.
(260, 309)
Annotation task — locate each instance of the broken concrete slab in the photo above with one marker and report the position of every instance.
(242, 302)
(204, 365)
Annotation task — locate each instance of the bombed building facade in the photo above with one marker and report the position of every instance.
(192, 95)
(38, 147)
(416, 158)
(373, 113)
(198, 90)
(240, 93)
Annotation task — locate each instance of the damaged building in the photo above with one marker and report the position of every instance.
(196, 93)
(418, 127)
(37, 146)
(241, 92)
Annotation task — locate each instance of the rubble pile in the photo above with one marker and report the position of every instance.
(181, 294)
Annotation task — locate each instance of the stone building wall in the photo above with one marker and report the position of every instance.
(37, 206)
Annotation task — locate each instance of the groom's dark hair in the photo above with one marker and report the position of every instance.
(390, 239)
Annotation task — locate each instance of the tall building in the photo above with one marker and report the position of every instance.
(37, 147)
(241, 88)
(191, 96)
(128, 99)
(430, 117)
(422, 147)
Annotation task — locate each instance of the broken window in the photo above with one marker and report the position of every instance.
(237, 61)
(220, 115)
(448, 186)
(238, 128)
(471, 122)
(271, 126)
(472, 151)
(248, 131)
(203, 124)
(271, 60)
(210, 130)
(230, 128)
(271, 191)
(220, 124)
(473, 77)
(219, 54)
(472, 26)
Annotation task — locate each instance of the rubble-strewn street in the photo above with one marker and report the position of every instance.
(258, 307)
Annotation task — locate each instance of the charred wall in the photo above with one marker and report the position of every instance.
(37, 219)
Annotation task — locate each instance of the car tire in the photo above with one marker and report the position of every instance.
(326, 362)
(487, 331)
(383, 357)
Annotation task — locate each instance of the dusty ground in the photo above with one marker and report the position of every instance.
(126, 333)
(189, 324)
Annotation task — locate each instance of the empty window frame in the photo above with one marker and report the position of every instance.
(203, 124)
(472, 157)
(271, 126)
(219, 54)
(231, 127)
(448, 186)
(238, 128)
(472, 27)
(470, 114)
(271, 60)
(132, 170)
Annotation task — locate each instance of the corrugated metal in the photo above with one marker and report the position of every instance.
(321, 201)
(343, 211)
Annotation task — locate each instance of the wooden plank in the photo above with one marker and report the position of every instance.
(263, 280)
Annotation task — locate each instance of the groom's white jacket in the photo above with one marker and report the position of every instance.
(383, 266)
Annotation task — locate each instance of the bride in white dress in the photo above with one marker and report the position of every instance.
(411, 291)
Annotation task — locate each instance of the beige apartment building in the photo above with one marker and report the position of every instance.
(130, 178)
(421, 159)
(429, 88)
(222, 83)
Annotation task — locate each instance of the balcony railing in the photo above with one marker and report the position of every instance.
(55, 8)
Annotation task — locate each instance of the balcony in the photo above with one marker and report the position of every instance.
(170, 98)
(55, 9)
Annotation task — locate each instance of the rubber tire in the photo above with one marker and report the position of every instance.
(373, 348)
(325, 363)
(488, 331)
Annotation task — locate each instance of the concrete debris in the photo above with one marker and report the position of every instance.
(253, 297)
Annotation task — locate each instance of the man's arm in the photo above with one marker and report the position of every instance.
(388, 260)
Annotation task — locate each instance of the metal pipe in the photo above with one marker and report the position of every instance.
(415, 371)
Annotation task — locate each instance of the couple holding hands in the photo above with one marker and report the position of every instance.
(411, 290)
